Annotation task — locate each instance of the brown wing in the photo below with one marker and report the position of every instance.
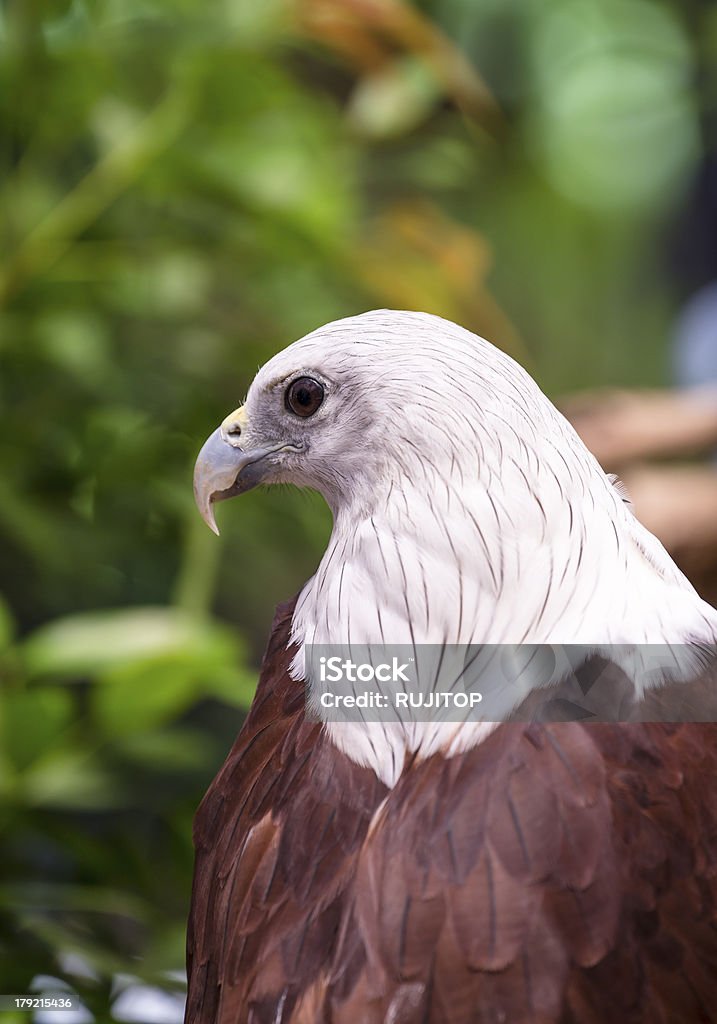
(277, 838)
(560, 873)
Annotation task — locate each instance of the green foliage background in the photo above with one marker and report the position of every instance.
(185, 187)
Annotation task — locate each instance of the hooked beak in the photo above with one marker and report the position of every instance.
(224, 469)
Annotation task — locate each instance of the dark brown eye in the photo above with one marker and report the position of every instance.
(304, 396)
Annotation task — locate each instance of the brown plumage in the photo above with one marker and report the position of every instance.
(554, 874)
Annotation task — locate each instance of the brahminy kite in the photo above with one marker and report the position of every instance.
(520, 871)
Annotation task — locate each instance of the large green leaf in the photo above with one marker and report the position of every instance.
(93, 643)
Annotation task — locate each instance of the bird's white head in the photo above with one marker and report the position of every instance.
(379, 400)
(466, 508)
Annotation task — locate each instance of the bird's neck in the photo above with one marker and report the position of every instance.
(507, 559)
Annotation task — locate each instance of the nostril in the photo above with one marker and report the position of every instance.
(233, 426)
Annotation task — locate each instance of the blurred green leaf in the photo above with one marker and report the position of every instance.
(47, 897)
(141, 696)
(72, 778)
(166, 750)
(614, 80)
(394, 99)
(31, 723)
(95, 642)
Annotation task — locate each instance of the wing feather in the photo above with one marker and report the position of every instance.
(554, 874)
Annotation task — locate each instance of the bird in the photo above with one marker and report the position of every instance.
(526, 868)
